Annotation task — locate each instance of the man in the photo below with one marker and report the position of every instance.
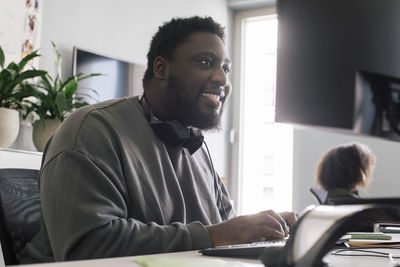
(131, 176)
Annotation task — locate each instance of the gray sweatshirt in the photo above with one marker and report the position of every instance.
(109, 187)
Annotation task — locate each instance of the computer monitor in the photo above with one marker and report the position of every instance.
(120, 78)
(338, 65)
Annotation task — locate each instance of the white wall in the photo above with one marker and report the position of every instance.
(311, 143)
(122, 29)
(249, 4)
(119, 28)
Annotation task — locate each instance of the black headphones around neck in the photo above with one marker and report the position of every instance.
(173, 132)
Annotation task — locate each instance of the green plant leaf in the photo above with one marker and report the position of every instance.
(13, 66)
(70, 89)
(7, 102)
(46, 82)
(80, 104)
(25, 90)
(2, 58)
(61, 103)
(29, 74)
(38, 109)
(80, 77)
(91, 94)
(26, 59)
(68, 81)
(58, 59)
(39, 94)
(57, 85)
(8, 76)
(18, 103)
(8, 72)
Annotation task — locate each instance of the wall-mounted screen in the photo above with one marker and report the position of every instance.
(120, 78)
(338, 65)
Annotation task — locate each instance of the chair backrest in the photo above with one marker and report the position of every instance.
(19, 211)
(319, 194)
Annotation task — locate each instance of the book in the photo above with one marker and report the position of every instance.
(369, 236)
(371, 243)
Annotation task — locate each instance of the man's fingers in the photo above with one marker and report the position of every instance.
(271, 233)
(280, 221)
(265, 225)
(270, 219)
(289, 217)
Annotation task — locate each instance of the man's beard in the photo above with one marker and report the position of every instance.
(187, 111)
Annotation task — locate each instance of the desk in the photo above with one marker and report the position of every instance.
(190, 258)
(195, 259)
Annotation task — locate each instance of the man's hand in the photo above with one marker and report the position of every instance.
(265, 225)
(289, 217)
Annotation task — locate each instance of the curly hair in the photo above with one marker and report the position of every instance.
(174, 32)
(347, 167)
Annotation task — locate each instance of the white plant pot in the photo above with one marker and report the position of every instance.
(9, 126)
(41, 133)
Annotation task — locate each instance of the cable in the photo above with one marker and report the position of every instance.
(372, 253)
(395, 263)
(369, 253)
(216, 184)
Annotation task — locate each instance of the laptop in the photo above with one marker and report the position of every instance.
(249, 250)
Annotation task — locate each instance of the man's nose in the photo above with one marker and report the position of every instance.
(220, 76)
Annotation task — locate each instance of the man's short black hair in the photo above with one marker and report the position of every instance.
(174, 32)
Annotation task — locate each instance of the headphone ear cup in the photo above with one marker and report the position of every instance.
(166, 133)
(175, 134)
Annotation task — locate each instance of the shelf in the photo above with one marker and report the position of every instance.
(15, 158)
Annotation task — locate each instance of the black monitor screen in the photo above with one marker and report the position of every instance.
(119, 79)
(338, 65)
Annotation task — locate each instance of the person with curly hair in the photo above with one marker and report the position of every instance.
(345, 169)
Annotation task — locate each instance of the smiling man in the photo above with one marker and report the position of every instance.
(132, 176)
(192, 84)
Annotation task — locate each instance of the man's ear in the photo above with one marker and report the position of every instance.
(160, 68)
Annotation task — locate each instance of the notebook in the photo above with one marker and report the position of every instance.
(249, 250)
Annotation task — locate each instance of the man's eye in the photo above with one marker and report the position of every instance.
(227, 70)
(205, 62)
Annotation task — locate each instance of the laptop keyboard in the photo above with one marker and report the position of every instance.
(274, 243)
(248, 250)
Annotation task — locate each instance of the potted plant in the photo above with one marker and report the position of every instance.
(56, 99)
(15, 85)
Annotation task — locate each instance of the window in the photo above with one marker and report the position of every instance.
(264, 167)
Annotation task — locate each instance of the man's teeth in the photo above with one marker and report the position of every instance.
(212, 95)
(218, 97)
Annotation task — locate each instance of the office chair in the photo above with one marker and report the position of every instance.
(19, 211)
(319, 194)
